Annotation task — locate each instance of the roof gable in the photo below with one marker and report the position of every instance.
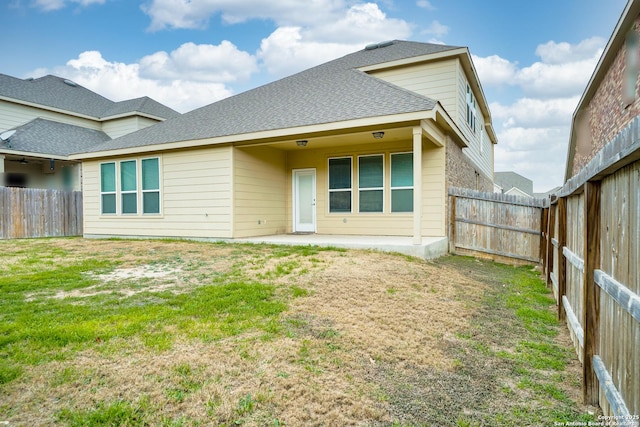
(332, 92)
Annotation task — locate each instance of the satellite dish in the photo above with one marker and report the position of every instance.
(6, 135)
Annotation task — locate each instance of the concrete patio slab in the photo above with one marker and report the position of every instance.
(430, 248)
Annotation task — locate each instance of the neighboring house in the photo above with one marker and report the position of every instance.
(513, 184)
(610, 102)
(44, 120)
(595, 227)
(367, 144)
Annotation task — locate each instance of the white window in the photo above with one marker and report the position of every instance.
(150, 186)
(128, 187)
(340, 185)
(402, 182)
(371, 183)
(136, 186)
(471, 109)
(108, 188)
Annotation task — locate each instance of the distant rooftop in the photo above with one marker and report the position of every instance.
(63, 94)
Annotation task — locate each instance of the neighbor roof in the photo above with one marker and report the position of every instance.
(40, 136)
(332, 92)
(62, 94)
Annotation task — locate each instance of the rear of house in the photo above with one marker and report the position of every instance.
(364, 145)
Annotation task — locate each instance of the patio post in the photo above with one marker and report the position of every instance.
(417, 185)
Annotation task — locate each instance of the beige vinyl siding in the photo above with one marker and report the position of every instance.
(119, 127)
(195, 194)
(483, 159)
(386, 223)
(12, 115)
(260, 191)
(435, 80)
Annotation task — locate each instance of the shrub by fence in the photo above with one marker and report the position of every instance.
(30, 212)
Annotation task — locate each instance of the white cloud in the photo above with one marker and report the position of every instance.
(203, 63)
(425, 4)
(437, 29)
(561, 53)
(196, 13)
(533, 131)
(536, 153)
(119, 81)
(531, 112)
(290, 49)
(494, 70)
(49, 5)
(285, 52)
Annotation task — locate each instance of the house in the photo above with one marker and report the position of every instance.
(513, 184)
(44, 120)
(366, 144)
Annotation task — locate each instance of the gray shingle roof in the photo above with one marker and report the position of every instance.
(332, 92)
(56, 92)
(40, 136)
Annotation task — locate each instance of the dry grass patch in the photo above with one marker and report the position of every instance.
(185, 334)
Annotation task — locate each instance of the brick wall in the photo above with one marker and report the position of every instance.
(607, 112)
(462, 173)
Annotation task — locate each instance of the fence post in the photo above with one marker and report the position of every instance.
(590, 392)
(544, 237)
(551, 227)
(562, 242)
(452, 225)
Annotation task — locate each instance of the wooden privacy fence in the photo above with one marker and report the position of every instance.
(30, 212)
(592, 261)
(502, 227)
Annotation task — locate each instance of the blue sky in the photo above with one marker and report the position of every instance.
(533, 58)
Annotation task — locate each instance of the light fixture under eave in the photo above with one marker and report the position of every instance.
(378, 135)
(302, 143)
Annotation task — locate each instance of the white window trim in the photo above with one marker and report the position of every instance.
(372, 188)
(338, 189)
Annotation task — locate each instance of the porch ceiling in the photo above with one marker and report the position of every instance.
(359, 137)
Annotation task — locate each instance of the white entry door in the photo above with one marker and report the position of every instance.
(304, 200)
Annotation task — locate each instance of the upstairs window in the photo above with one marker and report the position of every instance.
(471, 109)
(371, 183)
(340, 185)
(402, 182)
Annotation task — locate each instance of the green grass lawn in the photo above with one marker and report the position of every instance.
(174, 333)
